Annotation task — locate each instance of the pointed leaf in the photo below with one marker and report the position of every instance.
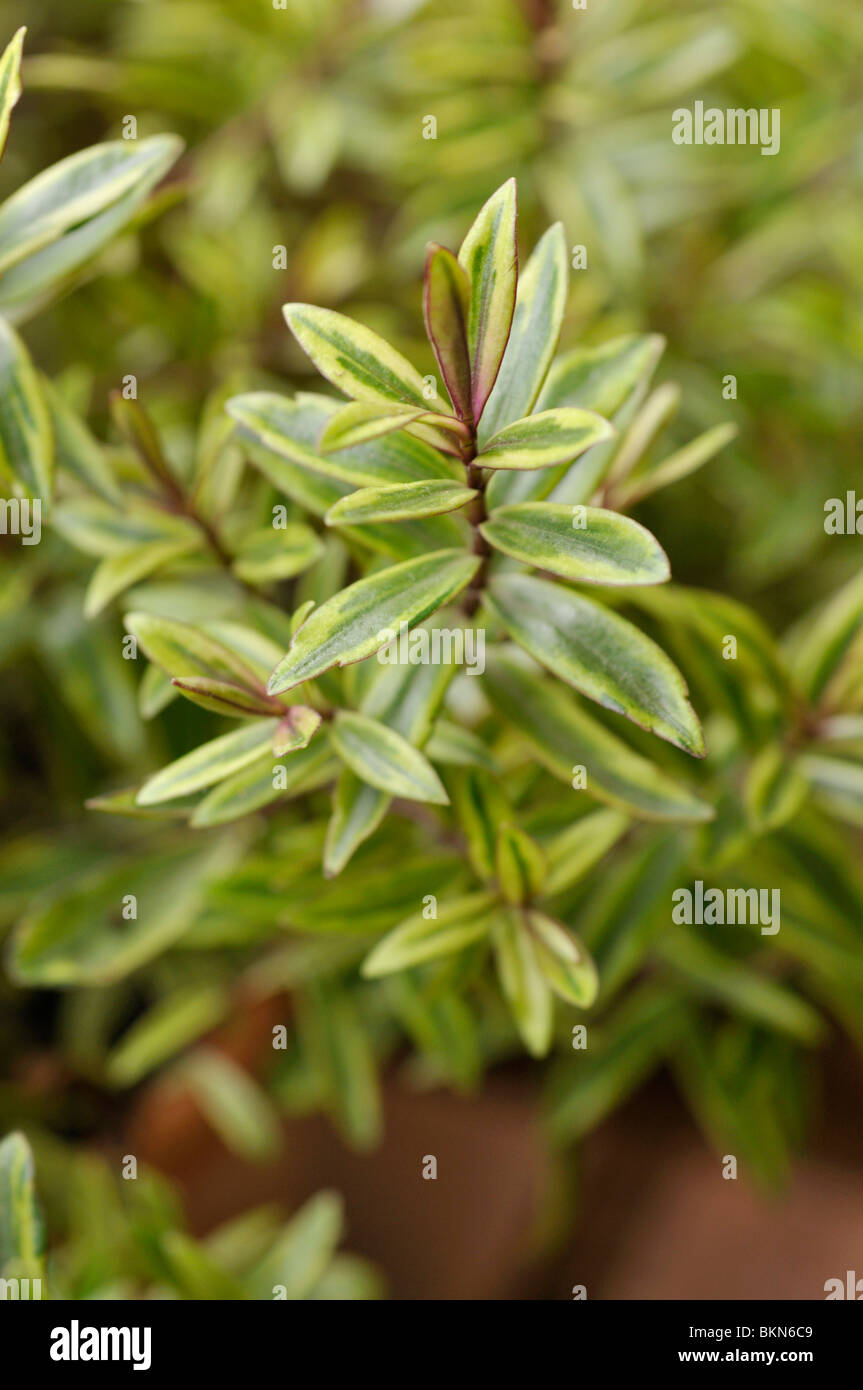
(78, 452)
(210, 763)
(587, 544)
(459, 923)
(10, 89)
(489, 257)
(223, 697)
(22, 1237)
(358, 621)
(76, 190)
(291, 430)
(40, 254)
(539, 306)
(183, 650)
(117, 573)
(273, 553)
(573, 853)
(520, 864)
(522, 982)
(676, 466)
(356, 360)
(398, 503)
(601, 378)
(446, 304)
(26, 436)
(262, 782)
(599, 653)
(99, 528)
(384, 759)
(544, 440)
(358, 810)
(564, 736)
(563, 960)
(359, 422)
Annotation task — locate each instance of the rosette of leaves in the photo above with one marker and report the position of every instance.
(100, 1243)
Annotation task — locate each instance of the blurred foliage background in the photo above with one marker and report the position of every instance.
(304, 129)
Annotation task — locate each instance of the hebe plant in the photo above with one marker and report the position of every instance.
(417, 849)
(486, 462)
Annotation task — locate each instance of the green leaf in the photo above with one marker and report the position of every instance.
(223, 697)
(76, 190)
(22, 1238)
(166, 1029)
(183, 650)
(75, 938)
(446, 303)
(718, 976)
(77, 451)
(272, 553)
(238, 1109)
(290, 430)
(600, 654)
(564, 736)
(459, 923)
(457, 747)
(520, 864)
(774, 790)
(563, 960)
(406, 699)
(99, 528)
(56, 223)
(839, 782)
(828, 640)
(676, 466)
(573, 853)
(384, 759)
(358, 422)
(628, 1047)
(602, 378)
(296, 729)
(480, 806)
(337, 1042)
(489, 258)
(544, 440)
(358, 621)
(587, 544)
(210, 763)
(399, 503)
(10, 84)
(300, 1256)
(353, 358)
(609, 380)
(26, 437)
(117, 573)
(358, 810)
(523, 984)
(197, 1275)
(257, 785)
(539, 306)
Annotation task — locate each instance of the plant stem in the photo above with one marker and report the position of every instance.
(476, 515)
